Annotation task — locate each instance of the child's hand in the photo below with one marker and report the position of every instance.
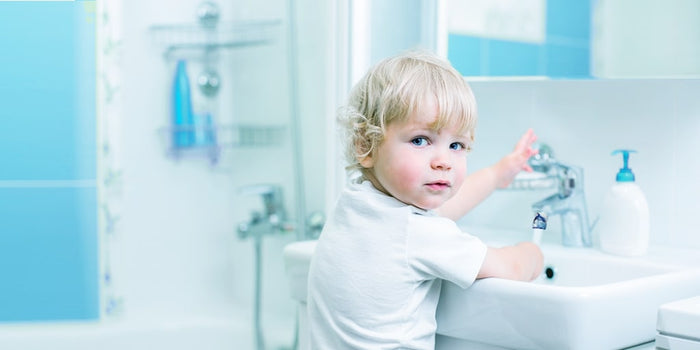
(520, 262)
(516, 161)
(532, 260)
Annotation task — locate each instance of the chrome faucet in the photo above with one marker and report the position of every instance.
(568, 202)
(274, 217)
(272, 220)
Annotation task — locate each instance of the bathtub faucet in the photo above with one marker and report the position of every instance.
(273, 218)
(568, 202)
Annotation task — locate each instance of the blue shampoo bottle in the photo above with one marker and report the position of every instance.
(183, 118)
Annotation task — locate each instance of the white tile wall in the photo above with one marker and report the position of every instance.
(178, 248)
(584, 121)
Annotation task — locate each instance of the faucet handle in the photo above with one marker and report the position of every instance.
(315, 222)
(271, 196)
(258, 189)
(544, 159)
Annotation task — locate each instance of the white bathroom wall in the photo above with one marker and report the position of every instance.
(645, 38)
(177, 250)
(583, 121)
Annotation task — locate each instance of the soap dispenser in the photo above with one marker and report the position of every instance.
(623, 228)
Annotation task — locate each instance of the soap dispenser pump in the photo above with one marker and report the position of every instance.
(623, 228)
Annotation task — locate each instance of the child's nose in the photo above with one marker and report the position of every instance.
(441, 161)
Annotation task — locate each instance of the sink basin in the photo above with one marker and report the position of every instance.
(297, 259)
(584, 299)
(592, 300)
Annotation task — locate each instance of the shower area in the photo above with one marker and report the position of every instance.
(177, 243)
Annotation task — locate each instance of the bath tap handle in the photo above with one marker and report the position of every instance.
(315, 222)
(259, 189)
(271, 196)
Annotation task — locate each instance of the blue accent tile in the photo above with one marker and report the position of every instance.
(465, 54)
(569, 19)
(511, 58)
(566, 47)
(48, 254)
(48, 236)
(47, 89)
(568, 62)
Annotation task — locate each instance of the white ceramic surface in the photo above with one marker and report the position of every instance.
(297, 257)
(681, 319)
(593, 301)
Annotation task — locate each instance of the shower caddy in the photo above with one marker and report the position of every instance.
(202, 42)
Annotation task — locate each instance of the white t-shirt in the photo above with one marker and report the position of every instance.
(375, 277)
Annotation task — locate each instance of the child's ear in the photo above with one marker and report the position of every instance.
(364, 157)
(367, 161)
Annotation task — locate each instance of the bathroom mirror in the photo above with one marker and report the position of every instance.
(575, 39)
(579, 39)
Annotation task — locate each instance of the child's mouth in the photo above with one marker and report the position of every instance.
(438, 185)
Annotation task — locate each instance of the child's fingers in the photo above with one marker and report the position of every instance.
(526, 140)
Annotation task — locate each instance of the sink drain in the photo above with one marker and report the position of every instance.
(550, 272)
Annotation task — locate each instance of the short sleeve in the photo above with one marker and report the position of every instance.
(437, 248)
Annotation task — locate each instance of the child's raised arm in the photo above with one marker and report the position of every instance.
(521, 262)
(482, 183)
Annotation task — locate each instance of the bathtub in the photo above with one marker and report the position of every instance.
(180, 334)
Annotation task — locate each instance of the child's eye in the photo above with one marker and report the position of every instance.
(457, 146)
(419, 141)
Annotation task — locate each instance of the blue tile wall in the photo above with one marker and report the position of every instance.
(569, 19)
(565, 53)
(465, 54)
(48, 255)
(567, 61)
(48, 110)
(508, 58)
(48, 210)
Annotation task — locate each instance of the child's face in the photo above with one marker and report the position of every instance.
(418, 165)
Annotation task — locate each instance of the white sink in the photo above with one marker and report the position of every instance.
(592, 301)
(297, 258)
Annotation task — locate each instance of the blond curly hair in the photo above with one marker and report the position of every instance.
(391, 91)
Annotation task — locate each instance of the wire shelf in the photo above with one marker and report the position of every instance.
(533, 181)
(211, 140)
(224, 35)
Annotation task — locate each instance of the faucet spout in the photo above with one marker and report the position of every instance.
(540, 221)
(570, 204)
(553, 205)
